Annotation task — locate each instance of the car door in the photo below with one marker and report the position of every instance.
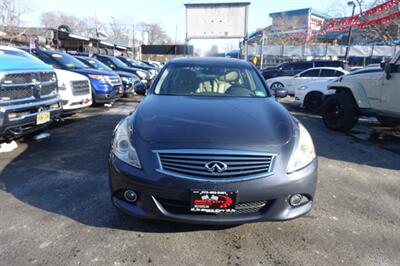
(301, 79)
(391, 90)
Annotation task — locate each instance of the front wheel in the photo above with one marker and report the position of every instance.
(340, 112)
(313, 101)
(276, 85)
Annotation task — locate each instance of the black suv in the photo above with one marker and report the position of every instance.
(294, 68)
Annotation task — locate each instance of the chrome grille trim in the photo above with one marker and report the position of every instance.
(115, 81)
(242, 165)
(18, 85)
(80, 87)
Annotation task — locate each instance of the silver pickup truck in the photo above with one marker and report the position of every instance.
(29, 99)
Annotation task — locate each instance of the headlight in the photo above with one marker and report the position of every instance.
(304, 152)
(125, 80)
(122, 147)
(101, 78)
(302, 88)
(141, 74)
(61, 86)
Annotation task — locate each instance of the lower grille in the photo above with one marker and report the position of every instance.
(198, 163)
(243, 208)
(80, 87)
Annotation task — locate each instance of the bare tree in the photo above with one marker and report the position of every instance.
(12, 11)
(87, 26)
(156, 34)
(213, 51)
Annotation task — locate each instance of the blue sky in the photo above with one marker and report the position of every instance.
(169, 13)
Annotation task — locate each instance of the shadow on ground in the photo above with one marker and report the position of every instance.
(67, 174)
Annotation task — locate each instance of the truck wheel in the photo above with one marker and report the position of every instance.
(313, 101)
(388, 121)
(340, 112)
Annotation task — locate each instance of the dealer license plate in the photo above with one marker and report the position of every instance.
(42, 118)
(212, 201)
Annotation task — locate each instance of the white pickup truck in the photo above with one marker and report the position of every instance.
(372, 92)
(74, 89)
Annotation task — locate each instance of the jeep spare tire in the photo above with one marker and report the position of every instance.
(340, 112)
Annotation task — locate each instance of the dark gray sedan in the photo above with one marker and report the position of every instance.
(210, 144)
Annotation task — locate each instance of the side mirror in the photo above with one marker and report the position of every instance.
(140, 88)
(281, 93)
(388, 70)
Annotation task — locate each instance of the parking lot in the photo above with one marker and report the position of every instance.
(56, 210)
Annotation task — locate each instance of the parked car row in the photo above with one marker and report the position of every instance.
(39, 86)
(342, 97)
(294, 68)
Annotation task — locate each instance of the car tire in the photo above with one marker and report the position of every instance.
(340, 112)
(388, 121)
(276, 85)
(313, 101)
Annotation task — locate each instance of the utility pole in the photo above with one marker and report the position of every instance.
(350, 3)
(262, 49)
(133, 41)
(176, 34)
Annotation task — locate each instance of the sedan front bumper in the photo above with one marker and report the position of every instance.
(168, 198)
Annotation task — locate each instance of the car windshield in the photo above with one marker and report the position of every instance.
(137, 63)
(117, 62)
(96, 64)
(67, 61)
(210, 81)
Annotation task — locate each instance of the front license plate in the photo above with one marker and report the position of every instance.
(43, 118)
(212, 201)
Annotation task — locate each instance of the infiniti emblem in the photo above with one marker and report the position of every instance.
(216, 167)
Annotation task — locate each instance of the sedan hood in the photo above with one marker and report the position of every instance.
(91, 71)
(194, 119)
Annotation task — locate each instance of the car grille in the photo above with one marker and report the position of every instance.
(16, 93)
(80, 87)
(193, 163)
(16, 86)
(242, 208)
(48, 88)
(115, 81)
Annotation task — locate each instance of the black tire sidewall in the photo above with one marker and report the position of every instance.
(349, 109)
(309, 97)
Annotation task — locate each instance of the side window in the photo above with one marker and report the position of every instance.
(106, 62)
(328, 73)
(313, 73)
(338, 73)
(303, 66)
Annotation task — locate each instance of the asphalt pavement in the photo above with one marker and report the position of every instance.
(55, 207)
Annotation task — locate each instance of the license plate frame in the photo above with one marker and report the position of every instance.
(207, 201)
(42, 118)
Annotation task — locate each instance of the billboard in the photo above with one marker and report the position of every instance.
(167, 49)
(216, 21)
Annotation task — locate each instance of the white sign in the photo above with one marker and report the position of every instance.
(216, 21)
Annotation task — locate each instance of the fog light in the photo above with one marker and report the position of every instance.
(130, 196)
(297, 200)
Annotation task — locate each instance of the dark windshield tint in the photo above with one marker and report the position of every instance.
(210, 81)
(117, 62)
(67, 61)
(96, 64)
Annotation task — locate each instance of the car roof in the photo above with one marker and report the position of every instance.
(209, 61)
(329, 68)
